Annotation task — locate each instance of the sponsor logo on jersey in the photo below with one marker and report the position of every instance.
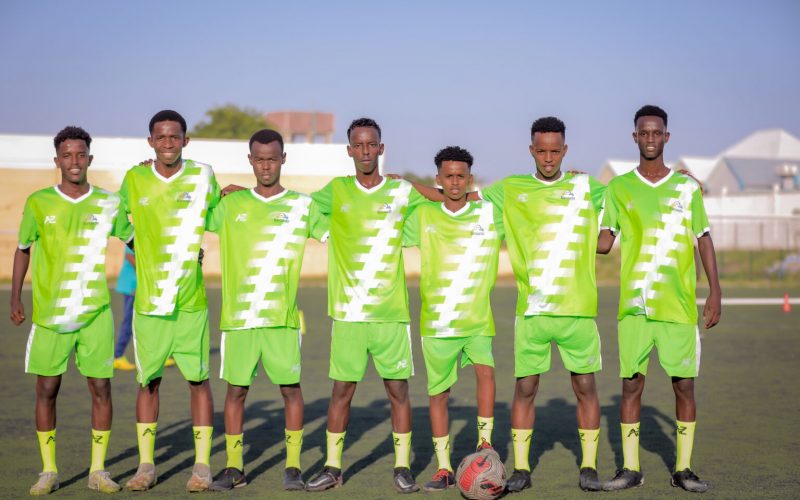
(50, 219)
(478, 230)
(567, 195)
(281, 217)
(144, 201)
(430, 228)
(522, 198)
(185, 196)
(241, 217)
(676, 206)
(385, 209)
(345, 207)
(92, 219)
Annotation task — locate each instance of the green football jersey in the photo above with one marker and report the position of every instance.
(169, 214)
(262, 241)
(69, 261)
(366, 279)
(551, 233)
(459, 252)
(657, 223)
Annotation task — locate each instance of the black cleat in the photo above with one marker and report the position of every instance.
(589, 481)
(625, 479)
(404, 481)
(442, 480)
(328, 477)
(292, 481)
(689, 481)
(519, 480)
(228, 479)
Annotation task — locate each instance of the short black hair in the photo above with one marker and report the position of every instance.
(72, 132)
(363, 122)
(453, 153)
(265, 136)
(549, 124)
(650, 110)
(167, 115)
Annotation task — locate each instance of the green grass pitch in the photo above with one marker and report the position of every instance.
(747, 443)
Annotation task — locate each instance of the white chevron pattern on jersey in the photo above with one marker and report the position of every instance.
(91, 255)
(559, 261)
(187, 237)
(469, 264)
(379, 247)
(269, 264)
(667, 240)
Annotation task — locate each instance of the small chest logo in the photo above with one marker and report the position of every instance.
(385, 209)
(185, 196)
(567, 195)
(345, 207)
(92, 219)
(430, 228)
(241, 217)
(50, 219)
(522, 198)
(676, 206)
(478, 230)
(144, 201)
(281, 217)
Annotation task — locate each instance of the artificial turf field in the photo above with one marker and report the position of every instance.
(747, 443)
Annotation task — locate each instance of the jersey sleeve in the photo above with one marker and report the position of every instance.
(610, 212)
(700, 225)
(411, 229)
(318, 223)
(498, 222)
(597, 192)
(216, 192)
(214, 218)
(124, 199)
(324, 198)
(415, 199)
(122, 229)
(494, 194)
(28, 229)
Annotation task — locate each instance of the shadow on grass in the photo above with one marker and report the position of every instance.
(651, 436)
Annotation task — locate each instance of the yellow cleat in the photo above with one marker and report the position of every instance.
(122, 363)
(101, 481)
(169, 362)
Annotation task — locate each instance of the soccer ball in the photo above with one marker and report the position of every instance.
(481, 475)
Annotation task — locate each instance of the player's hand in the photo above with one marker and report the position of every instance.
(396, 177)
(17, 312)
(200, 255)
(689, 174)
(230, 188)
(576, 172)
(712, 310)
(147, 162)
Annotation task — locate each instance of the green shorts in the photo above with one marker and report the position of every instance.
(182, 335)
(577, 339)
(441, 358)
(277, 348)
(47, 352)
(678, 346)
(352, 343)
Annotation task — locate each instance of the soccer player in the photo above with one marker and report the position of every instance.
(659, 214)
(459, 243)
(168, 201)
(550, 220)
(70, 224)
(262, 233)
(367, 297)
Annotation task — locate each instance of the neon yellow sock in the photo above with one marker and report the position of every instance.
(202, 444)
(234, 449)
(521, 439)
(630, 446)
(685, 442)
(402, 449)
(335, 447)
(294, 443)
(589, 441)
(47, 446)
(146, 437)
(485, 427)
(99, 447)
(441, 446)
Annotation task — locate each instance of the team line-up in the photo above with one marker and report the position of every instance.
(553, 223)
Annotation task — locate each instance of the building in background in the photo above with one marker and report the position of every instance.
(311, 127)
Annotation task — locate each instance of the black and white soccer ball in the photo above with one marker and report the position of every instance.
(481, 475)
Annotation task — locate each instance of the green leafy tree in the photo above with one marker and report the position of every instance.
(230, 122)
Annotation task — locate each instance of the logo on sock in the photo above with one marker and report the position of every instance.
(50, 439)
(340, 441)
(147, 431)
(238, 444)
(682, 430)
(97, 438)
(196, 434)
(633, 432)
(397, 441)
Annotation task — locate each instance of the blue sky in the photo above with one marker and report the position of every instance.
(433, 74)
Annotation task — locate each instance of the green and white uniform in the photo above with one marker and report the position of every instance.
(657, 224)
(551, 232)
(171, 309)
(366, 279)
(459, 252)
(262, 241)
(69, 279)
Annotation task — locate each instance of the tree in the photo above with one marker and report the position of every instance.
(230, 122)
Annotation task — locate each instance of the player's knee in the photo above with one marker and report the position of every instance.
(584, 386)
(526, 387)
(100, 388)
(291, 393)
